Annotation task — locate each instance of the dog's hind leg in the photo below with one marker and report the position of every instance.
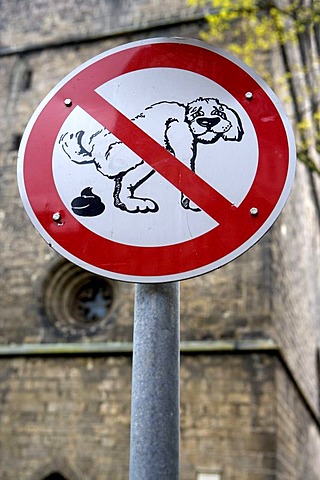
(133, 188)
(188, 204)
(124, 193)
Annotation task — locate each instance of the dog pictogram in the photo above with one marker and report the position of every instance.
(179, 128)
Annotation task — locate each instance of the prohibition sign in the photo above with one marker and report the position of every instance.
(235, 227)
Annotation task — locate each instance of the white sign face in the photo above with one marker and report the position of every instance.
(151, 162)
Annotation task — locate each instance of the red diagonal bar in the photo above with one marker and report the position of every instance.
(184, 179)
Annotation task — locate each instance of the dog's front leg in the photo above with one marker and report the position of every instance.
(180, 141)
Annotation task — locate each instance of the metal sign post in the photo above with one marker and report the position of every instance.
(155, 420)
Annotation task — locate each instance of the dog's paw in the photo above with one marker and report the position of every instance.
(189, 205)
(137, 205)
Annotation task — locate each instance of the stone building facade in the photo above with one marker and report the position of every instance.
(249, 352)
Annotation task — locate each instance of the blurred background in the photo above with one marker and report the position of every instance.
(249, 331)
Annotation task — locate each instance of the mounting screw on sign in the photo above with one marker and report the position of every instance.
(254, 211)
(156, 161)
(56, 217)
(68, 102)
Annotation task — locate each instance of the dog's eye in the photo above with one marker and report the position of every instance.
(219, 112)
(196, 111)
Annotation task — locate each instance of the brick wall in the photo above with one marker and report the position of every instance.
(298, 440)
(44, 21)
(74, 412)
(73, 409)
(228, 416)
(295, 273)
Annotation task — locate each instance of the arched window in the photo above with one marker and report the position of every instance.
(55, 476)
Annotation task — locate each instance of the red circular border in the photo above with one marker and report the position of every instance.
(165, 260)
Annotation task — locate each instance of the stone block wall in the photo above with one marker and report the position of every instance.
(73, 413)
(44, 21)
(295, 288)
(297, 434)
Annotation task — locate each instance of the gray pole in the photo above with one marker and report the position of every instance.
(155, 419)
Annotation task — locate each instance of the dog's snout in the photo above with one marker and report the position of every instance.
(208, 122)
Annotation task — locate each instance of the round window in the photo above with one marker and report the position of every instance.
(77, 302)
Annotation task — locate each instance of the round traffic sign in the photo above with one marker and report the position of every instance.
(156, 161)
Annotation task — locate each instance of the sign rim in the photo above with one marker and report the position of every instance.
(277, 208)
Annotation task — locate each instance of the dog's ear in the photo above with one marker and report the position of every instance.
(235, 133)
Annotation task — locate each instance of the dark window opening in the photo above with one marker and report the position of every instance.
(15, 143)
(92, 301)
(55, 476)
(318, 372)
(26, 80)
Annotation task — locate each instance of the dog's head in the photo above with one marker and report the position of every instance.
(210, 120)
